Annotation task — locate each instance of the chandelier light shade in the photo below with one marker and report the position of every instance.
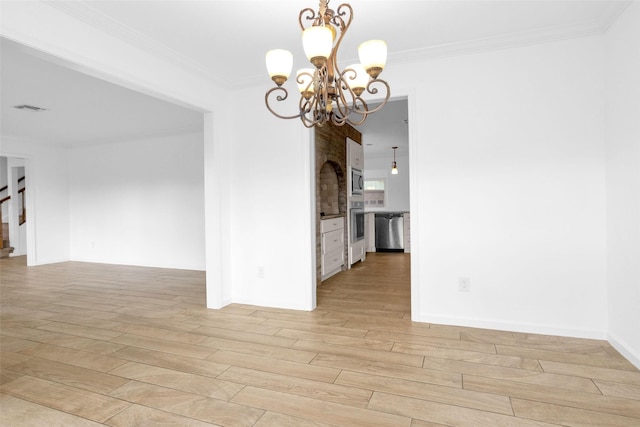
(394, 165)
(373, 56)
(327, 93)
(317, 43)
(279, 64)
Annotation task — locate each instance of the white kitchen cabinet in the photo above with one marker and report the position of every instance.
(327, 225)
(332, 246)
(406, 232)
(356, 154)
(332, 240)
(370, 232)
(356, 252)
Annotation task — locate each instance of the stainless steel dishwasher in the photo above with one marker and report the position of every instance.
(389, 233)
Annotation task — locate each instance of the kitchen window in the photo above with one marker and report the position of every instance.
(374, 192)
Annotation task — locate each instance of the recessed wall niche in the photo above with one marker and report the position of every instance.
(329, 190)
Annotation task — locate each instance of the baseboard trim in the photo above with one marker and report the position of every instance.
(530, 328)
(279, 304)
(626, 350)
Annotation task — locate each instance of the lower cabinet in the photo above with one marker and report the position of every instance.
(356, 252)
(332, 244)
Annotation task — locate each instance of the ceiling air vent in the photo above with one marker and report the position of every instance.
(31, 108)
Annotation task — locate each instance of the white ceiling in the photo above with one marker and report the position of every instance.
(226, 40)
(385, 129)
(80, 109)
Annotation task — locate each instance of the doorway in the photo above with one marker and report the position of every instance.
(388, 192)
(383, 130)
(13, 206)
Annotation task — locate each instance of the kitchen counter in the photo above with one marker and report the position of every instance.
(330, 216)
(386, 212)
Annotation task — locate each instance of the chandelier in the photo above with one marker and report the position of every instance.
(328, 94)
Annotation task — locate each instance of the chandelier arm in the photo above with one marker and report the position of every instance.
(342, 104)
(359, 112)
(307, 14)
(306, 121)
(311, 112)
(306, 106)
(338, 121)
(344, 10)
(339, 17)
(359, 109)
(279, 98)
(342, 83)
(347, 101)
(374, 91)
(357, 122)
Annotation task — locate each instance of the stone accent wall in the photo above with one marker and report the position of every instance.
(331, 150)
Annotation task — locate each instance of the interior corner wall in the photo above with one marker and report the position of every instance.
(139, 202)
(623, 181)
(48, 189)
(511, 187)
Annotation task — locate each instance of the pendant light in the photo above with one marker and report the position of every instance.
(394, 166)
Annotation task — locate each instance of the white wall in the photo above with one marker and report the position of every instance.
(397, 186)
(508, 164)
(623, 181)
(139, 202)
(47, 190)
(510, 188)
(271, 214)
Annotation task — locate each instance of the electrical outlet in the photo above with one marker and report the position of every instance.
(464, 284)
(261, 272)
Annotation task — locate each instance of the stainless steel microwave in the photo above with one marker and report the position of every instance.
(357, 181)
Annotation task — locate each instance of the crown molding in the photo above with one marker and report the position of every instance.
(84, 12)
(609, 19)
(516, 39)
(506, 41)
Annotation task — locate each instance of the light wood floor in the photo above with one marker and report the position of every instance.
(91, 344)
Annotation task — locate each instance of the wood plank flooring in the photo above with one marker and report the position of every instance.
(92, 344)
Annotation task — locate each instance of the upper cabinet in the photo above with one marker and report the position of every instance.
(356, 154)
